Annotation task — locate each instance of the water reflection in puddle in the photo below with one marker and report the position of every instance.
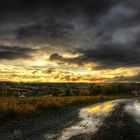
(92, 118)
(133, 109)
(102, 107)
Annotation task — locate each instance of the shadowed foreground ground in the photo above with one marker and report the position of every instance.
(118, 126)
(35, 129)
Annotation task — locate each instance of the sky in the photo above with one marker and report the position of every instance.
(70, 40)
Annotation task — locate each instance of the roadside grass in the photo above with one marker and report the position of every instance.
(121, 96)
(17, 109)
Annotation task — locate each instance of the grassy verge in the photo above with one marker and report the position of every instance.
(31, 107)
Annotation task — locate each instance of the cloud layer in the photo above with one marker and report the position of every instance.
(104, 34)
(15, 52)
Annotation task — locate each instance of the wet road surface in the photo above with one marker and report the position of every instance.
(117, 120)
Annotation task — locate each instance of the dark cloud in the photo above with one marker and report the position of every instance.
(135, 78)
(48, 31)
(55, 57)
(106, 32)
(62, 60)
(112, 40)
(106, 56)
(113, 55)
(35, 10)
(62, 22)
(88, 6)
(15, 52)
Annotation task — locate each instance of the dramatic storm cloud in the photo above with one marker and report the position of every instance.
(15, 52)
(135, 78)
(83, 36)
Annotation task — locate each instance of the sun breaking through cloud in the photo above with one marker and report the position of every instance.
(70, 41)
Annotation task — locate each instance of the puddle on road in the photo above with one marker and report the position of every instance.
(133, 109)
(103, 107)
(92, 118)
